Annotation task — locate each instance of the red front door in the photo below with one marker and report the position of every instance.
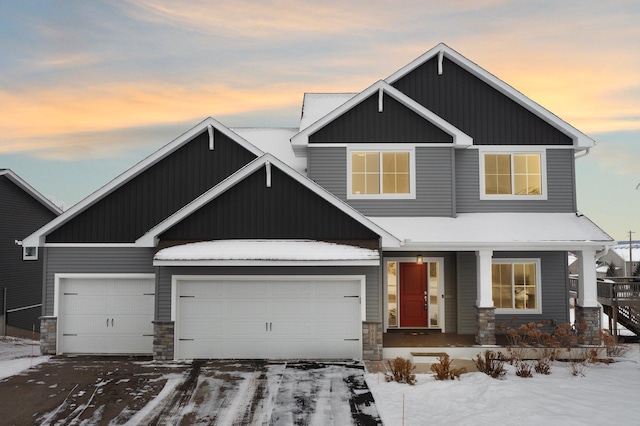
(413, 291)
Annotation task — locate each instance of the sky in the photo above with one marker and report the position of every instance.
(88, 89)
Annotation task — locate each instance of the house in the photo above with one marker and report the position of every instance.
(622, 261)
(22, 211)
(439, 199)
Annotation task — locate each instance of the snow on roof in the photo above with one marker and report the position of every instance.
(622, 250)
(493, 229)
(317, 105)
(271, 251)
(275, 141)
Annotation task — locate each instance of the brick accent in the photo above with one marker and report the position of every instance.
(588, 325)
(371, 341)
(48, 335)
(486, 326)
(163, 340)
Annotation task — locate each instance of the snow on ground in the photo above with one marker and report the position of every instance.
(17, 355)
(605, 395)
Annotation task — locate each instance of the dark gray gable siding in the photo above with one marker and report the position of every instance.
(155, 194)
(93, 260)
(372, 273)
(364, 124)
(560, 186)
(476, 108)
(20, 215)
(555, 293)
(435, 193)
(250, 209)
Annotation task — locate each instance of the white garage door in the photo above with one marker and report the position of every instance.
(106, 315)
(271, 318)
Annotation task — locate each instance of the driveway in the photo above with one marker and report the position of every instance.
(116, 390)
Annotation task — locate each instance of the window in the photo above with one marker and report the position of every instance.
(29, 253)
(381, 174)
(516, 285)
(512, 175)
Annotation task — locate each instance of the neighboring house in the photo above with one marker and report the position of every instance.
(624, 261)
(22, 211)
(439, 198)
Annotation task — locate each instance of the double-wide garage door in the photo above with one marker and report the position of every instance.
(268, 318)
(106, 315)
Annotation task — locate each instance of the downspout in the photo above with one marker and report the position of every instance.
(582, 154)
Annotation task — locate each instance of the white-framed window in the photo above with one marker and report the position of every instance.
(516, 286)
(380, 173)
(29, 253)
(513, 174)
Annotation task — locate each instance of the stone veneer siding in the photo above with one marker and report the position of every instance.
(589, 318)
(48, 335)
(486, 326)
(371, 341)
(163, 340)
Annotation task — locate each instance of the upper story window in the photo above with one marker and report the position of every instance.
(381, 173)
(512, 175)
(516, 285)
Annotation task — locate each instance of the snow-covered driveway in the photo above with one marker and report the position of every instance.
(110, 391)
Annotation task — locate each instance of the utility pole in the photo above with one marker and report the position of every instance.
(631, 254)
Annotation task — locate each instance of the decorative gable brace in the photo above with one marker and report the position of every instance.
(380, 98)
(210, 131)
(267, 166)
(440, 60)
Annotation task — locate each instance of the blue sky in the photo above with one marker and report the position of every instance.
(87, 89)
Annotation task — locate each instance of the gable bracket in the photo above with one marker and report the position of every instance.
(380, 97)
(210, 130)
(267, 166)
(440, 59)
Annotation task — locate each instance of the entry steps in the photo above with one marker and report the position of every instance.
(426, 357)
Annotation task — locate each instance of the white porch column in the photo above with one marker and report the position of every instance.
(484, 293)
(587, 283)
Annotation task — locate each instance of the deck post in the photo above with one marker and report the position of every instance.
(485, 311)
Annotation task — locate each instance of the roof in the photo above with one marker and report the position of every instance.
(580, 140)
(622, 250)
(317, 105)
(30, 190)
(274, 141)
(472, 231)
(265, 252)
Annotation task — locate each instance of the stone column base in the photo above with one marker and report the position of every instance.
(588, 325)
(371, 341)
(48, 335)
(163, 340)
(486, 326)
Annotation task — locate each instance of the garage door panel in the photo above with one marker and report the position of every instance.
(268, 318)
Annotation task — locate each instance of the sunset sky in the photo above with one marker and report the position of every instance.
(87, 89)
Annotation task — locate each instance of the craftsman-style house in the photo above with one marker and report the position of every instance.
(438, 199)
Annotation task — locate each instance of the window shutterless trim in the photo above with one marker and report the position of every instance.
(401, 148)
(512, 261)
(513, 150)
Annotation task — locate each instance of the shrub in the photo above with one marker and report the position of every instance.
(523, 369)
(401, 371)
(492, 364)
(444, 371)
(614, 349)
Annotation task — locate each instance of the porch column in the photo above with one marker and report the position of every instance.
(485, 311)
(587, 308)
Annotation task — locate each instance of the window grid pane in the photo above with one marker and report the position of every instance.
(365, 173)
(526, 174)
(514, 285)
(395, 170)
(497, 176)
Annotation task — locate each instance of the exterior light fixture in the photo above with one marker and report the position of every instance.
(419, 260)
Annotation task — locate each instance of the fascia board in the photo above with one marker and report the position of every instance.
(22, 184)
(38, 237)
(502, 246)
(266, 262)
(581, 141)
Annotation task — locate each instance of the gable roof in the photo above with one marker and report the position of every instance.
(580, 140)
(301, 140)
(317, 105)
(18, 181)
(38, 237)
(150, 239)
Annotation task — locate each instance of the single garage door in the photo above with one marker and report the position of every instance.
(106, 315)
(274, 318)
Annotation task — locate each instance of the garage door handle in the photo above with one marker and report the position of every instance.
(107, 322)
(111, 322)
(270, 326)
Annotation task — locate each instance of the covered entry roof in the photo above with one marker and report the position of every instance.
(265, 252)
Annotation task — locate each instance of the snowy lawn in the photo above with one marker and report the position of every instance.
(605, 395)
(17, 355)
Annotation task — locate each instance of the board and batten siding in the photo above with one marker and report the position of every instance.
(555, 292)
(476, 108)
(93, 260)
(561, 196)
(435, 192)
(372, 273)
(145, 200)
